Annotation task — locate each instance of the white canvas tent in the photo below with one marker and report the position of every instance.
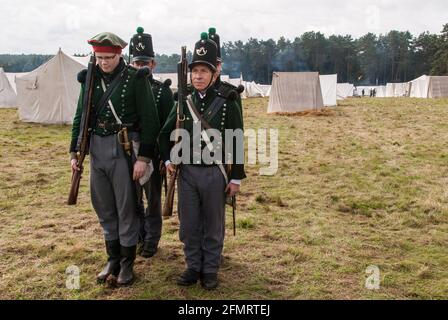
(49, 94)
(12, 78)
(266, 89)
(172, 76)
(252, 90)
(397, 90)
(344, 90)
(236, 81)
(429, 87)
(225, 77)
(380, 91)
(390, 90)
(8, 97)
(294, 92)
(419, 87)
(438, 87)
(328, 85)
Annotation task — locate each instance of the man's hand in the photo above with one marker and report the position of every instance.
(74, 165)
(232, 189)
(170, 169)
(139, 169)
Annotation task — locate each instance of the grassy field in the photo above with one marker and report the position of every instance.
(358, 185)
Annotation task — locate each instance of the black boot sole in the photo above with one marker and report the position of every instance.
(125, 284)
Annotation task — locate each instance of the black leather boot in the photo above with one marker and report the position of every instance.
(113, 261)
(209, 281)
(149, 249)
(188, 278)
(126, 275)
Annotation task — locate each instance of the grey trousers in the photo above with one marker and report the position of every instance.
(201, 208)
(113, 196)
(151, 217)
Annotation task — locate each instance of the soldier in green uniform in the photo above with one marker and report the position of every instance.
(224, 87)
(202, 184)
(141, 55)
(131, 105)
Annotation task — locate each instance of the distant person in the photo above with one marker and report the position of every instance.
(374, 93)
(363, 92)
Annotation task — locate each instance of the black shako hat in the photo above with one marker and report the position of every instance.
(140, 48)
(205, 52)
(215, 37)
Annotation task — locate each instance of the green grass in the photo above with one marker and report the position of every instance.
(358, 185)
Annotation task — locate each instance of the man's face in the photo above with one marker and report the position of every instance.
(107, 61)
(201, 75)
(151, 64)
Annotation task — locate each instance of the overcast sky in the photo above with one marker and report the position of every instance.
(30, 26)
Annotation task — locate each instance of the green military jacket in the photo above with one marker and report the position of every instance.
(163, 97)
(228, 117)
(225, 88)
(133, 102)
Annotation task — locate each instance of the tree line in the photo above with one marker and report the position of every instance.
(371, 59)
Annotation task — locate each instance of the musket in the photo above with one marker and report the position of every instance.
(85, 130)
(182, 73)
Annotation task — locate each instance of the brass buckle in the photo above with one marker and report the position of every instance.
(101, 125)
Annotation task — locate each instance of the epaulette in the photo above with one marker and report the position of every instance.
(82, 76)
(230, 86)
(228, 91)
(143, 72)
(167, 83)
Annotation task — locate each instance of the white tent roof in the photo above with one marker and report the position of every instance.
(328, 85)
(252, 90)
(8, 97)
(344, 90)
(49, 94)
(419, 87)
(295, 92)
(12, 78)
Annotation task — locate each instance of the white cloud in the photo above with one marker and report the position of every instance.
(30, 26)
